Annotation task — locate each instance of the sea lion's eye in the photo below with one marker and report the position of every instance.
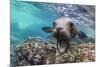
(71, 24)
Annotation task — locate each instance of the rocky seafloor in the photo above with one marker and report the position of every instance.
(39, 53)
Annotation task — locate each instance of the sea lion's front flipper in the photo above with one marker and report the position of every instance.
(47, 29)
(82, 34)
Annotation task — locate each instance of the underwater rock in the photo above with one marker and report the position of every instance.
(31, 53)
(78, 53)
(40, 53)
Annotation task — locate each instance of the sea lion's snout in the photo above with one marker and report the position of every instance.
(58, 29)
(60, 32)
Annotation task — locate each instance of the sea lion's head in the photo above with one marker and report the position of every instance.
(63, 26)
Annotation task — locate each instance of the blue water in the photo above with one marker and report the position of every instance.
(27, 18)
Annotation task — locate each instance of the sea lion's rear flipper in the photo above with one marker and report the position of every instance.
(82, 34)
(47, 29)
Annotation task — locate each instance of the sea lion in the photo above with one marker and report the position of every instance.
(63, 30)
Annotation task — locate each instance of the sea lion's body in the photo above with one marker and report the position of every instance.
(63, 30)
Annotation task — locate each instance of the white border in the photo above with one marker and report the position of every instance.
(5, 32)
(89, 2)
